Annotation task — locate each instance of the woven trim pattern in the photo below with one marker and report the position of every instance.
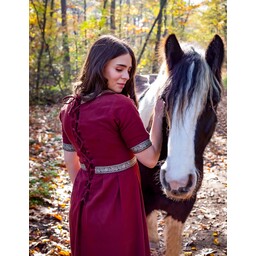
(68, 147)
(113, 168)
(142, 146)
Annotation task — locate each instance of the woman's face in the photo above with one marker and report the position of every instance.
(117, 71)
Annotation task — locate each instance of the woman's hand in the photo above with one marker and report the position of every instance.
(159, 108)
(72, 164)
(150, 156)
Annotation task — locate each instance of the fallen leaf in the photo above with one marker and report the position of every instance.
(65, 253)
(215, 234)
(216, 241)
(57, 216)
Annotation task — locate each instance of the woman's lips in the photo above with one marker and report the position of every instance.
(121, 85)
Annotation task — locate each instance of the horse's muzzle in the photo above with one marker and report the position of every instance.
(178, 189)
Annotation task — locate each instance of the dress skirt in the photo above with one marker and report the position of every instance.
(108, 218)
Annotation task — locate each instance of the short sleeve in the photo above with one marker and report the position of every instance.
(131, 127)
(67, 145)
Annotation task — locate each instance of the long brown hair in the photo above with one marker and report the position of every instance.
(91, 81)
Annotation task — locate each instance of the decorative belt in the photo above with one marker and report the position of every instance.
(113, 168)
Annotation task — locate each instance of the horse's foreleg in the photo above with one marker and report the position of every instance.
(152, 229)
(173, 236)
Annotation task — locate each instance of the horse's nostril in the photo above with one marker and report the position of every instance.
(182, 186)
(190, 181)
(164, 182)
(183, 190)
(167, 185)
(175, 192)
(177, 187)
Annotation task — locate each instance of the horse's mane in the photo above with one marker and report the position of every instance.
(191, 80)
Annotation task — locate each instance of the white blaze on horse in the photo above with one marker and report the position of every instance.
(190, 84)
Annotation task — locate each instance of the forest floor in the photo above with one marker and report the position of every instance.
(205, 231)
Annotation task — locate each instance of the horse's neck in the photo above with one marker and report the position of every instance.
(147, 103)
(146, 106)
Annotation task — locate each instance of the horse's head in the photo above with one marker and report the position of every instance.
(192, 92)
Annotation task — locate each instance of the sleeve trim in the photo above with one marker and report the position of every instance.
(142, 146)
(68, 147)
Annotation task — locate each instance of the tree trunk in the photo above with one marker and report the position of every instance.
(172, 14)
(112, 16)
(52, 71)
(105, 4)
(184, 24)
(40, 54)
(120, 20)
(158, 38)
(85, 31)
(105, 13)
(128, 16)
(147, 38)
(165, 22)
(66, 60)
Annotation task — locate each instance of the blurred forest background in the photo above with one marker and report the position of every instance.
(60, 35)
(62, 31)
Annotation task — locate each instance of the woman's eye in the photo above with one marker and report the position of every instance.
(119, 70)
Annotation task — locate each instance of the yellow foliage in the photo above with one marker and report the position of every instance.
(65, 253)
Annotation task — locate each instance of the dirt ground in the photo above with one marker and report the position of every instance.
(205, 231)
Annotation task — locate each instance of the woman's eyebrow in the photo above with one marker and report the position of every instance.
(123, 65)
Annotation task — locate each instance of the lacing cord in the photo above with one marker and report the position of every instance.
(74, 114)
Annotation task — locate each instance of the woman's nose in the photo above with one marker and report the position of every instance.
(126, 75)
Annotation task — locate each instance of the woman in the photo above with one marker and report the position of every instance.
(103, 137)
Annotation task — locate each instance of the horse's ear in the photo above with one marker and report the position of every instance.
(173, 51)
(215, 55)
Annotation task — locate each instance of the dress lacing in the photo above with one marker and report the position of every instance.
(84, 155)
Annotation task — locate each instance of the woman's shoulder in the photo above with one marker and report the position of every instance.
(121, 99)
(68, 103)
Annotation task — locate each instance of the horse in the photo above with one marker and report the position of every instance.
(189, 81)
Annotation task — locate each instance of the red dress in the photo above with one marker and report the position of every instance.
(107, 215)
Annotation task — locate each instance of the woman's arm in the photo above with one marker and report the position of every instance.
(72, 163)
(149, 157)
